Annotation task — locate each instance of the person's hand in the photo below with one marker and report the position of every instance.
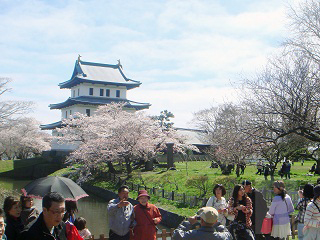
(244, 209)
(192, 220)
(239, 207)
(123, 203)
(155, 221)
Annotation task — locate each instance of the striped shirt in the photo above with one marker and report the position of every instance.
(312, 215)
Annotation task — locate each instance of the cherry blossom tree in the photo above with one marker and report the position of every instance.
(115, 135)
(227, 132)
(10, 110)
(23, 139)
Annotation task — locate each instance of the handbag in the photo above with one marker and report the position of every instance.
(230, 217)
(266, 225)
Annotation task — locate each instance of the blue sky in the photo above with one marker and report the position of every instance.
(186, 53)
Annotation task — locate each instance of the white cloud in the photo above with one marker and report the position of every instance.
(184, 52)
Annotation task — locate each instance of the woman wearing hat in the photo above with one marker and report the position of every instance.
(280, 209)
(312, 217)
(147, 217)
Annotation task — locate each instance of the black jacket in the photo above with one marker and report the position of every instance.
(13, 228)
(260, 209)
(39, 231)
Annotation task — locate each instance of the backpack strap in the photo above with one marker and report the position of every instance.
(316, 205)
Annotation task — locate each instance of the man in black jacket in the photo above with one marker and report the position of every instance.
(49, 224)
(260, 208)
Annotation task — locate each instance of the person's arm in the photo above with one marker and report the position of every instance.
(299, 205)
(157, 216)
(112, 207)
(231, 209)
(248, 207)
(183, 231)
(273, 207)
(210, 202)
(290, 204)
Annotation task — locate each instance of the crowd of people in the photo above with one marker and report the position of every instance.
(57, 221)
(240, 217)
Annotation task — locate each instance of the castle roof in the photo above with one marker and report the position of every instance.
(51, 126)
(99, 73)
(89, 100)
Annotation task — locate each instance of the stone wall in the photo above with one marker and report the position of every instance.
(169, 219)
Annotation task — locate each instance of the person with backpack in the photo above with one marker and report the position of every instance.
(311, 228)
(307, 196)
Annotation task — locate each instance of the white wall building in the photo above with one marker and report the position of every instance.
(92, 85)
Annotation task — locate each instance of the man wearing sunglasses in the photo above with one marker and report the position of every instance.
(49, 224)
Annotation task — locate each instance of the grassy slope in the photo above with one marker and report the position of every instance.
(6, 165)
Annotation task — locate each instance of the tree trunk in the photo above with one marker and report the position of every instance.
(318, 167)
(128, 166)
(238, 170)
(111, 167)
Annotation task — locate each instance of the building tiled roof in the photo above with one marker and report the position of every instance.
(51, 126)
(89, 100)
(193, 136)
(98, 73)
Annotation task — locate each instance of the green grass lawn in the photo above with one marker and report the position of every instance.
(6, 165)
(171, 180)
(177, 181)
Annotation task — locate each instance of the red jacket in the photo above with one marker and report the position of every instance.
(146, 228)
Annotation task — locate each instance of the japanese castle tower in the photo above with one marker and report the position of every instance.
(92, 85)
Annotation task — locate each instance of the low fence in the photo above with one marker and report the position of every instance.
(192, 201)
(163, 235)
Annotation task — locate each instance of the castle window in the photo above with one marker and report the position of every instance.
(101, 92)
(66, 114)
(88, 112)
(118, 93)
(108, 92)
(70, 112)
(78, 91)
(74, 93)
(91, 91)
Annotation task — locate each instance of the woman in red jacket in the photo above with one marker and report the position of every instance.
(147, 217)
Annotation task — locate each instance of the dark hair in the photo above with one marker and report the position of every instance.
(308, 191)
(280, 185)
(122, 187)
(80, 223)
(71, 209)
(52, 197)
(221, 187)
(235, 194)
(23, 201)
(8, 203)
(1, 212)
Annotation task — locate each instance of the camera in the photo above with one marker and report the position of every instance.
(198, 218)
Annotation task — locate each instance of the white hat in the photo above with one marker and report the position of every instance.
(208, 214)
